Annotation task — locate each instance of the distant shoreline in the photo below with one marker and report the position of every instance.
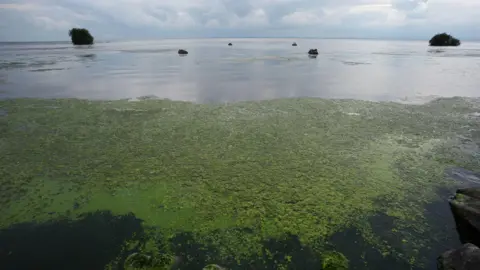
(232, 38)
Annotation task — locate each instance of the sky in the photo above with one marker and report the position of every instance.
(50, 20)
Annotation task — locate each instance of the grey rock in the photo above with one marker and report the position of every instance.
(294, 44)
(313, 52)
(465, 258)
(465, 206)
(182, 52)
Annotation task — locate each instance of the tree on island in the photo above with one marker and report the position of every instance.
(80, 36)
(444, 39)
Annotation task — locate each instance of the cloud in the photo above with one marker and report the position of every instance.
(408, 5)
(239, 8)
(303, 17)
(50, 24)
(155, 18)
(13, 6)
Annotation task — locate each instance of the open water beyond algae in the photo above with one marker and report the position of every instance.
(280, 184)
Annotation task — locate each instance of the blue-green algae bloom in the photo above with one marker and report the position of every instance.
(279, 184)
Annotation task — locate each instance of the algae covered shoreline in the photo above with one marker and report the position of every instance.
(279, 184)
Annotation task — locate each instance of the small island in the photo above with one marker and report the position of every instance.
(80, 36)
(444, 39)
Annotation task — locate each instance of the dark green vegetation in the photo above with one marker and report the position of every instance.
(80, 36)
(281, 184)
(444, 39)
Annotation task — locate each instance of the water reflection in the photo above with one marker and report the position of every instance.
(436, 51)
(253, 69)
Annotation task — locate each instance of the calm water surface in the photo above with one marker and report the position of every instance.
(252, 69)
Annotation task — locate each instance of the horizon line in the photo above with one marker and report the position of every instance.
(246, 37)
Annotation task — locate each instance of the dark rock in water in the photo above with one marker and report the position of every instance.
(230, 44)
(465, 207)
(294, 44)
(465, 258)
(313, 52)
(182, 52)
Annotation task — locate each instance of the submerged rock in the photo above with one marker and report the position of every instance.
(313, 52)
(465, 207)
(182, 52)
(465, 258)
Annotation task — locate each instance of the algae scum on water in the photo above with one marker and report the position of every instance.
(280, 184)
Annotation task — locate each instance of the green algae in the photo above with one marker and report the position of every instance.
(137, 261)
(334, 261)
(304, 167)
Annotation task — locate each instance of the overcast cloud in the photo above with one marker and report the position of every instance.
(134, 19)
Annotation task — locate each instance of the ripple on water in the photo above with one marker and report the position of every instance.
(46, 69)
(436, 51)
(90, 55)
(352, 63)
(475, 114)
(6, 65)
(263, 58)
(149, 51)
(460, 174)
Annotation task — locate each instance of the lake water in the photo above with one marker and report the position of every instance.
(252, 69)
